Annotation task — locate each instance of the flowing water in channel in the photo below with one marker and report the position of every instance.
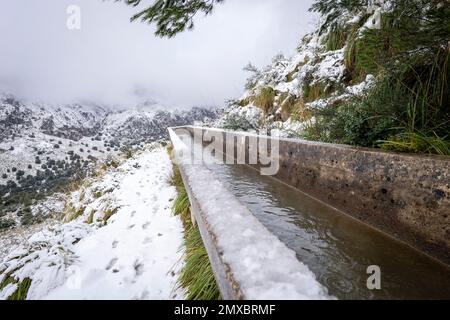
(337, 248)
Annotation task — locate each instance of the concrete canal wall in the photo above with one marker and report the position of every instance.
(406, 196)
(248, 261)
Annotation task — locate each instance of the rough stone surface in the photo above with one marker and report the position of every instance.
(406, 196)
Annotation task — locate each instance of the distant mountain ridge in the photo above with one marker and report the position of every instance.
(76, 121)
(44, 147)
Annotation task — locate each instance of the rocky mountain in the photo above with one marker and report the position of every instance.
(43, 148)
(372, 74)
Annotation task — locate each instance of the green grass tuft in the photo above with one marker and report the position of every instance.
(22, 290)
(97, 194)
(417, 142)
(315, 91)
(71, 213)
(182, 206)
(408, 110)
(128, 154)
(22, 287)
(197, 276)
(6, 281)
(109, 213)
(265, 99)
(336, 37)
(90, 218)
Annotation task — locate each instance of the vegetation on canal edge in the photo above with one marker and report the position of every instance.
(197, 276)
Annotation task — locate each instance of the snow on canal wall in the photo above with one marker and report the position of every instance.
(249, 262)
(406, 196)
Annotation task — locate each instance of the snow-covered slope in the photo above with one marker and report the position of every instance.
(45, 147)
(121, 241)
(284, 95)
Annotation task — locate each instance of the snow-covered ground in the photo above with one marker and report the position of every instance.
(262, 265)
(122, 243)
(314, 78)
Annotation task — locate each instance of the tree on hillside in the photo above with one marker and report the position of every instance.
(172, 16)
(405, 44)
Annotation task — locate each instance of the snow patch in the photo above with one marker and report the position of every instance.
(136, 254)
(263, 266)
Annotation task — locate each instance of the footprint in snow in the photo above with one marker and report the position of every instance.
(131, 227)
(138, 268)
(111, 264)
(115, 243)
(144, 296)
(146, 225)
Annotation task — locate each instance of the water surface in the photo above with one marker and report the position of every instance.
(336, 247)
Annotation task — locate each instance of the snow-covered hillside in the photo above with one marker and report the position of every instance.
(43, 148)
(118, 240)
(284, 95)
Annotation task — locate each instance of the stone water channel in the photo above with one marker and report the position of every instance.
(337, 248)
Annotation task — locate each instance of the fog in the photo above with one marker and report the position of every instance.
(112, 61)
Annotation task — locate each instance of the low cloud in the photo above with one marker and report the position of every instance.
(113, 61)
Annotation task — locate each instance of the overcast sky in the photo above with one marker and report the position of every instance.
(113, 61)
